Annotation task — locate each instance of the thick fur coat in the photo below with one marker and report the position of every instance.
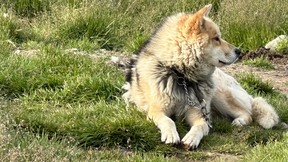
(172, 75)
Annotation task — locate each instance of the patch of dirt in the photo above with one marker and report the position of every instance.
(274, 57)
(278, 77)
(222, 157)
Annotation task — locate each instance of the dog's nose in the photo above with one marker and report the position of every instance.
(237, 51)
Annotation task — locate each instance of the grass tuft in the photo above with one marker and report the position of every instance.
(28, 8)
(282, 47)
(263, 137)
(255, 85)
(261, 62)
(15, 31)
(273, 151)
(93, 27)
(101, 125)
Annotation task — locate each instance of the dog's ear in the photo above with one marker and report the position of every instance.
(191, 25)
(204, 11)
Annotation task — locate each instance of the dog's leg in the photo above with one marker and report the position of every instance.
(236, 106)
(169, 134)
(199, 128)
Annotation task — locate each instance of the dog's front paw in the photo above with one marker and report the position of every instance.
(192, 139)
(170, 136)
(169, 133)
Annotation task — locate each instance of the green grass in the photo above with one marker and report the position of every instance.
(253, 84)
(272, 152)
(64, 106)
(254, 23)
(261, 62)
(27, 8)
(24, 145)
(125, 25)
(73, 77)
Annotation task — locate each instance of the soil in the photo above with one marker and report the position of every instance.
(278, 77)
(274, 57)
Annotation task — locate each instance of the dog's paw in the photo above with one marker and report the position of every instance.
(192, 139)
(239, 122)
(170, 136)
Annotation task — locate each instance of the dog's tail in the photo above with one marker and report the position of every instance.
(263, 113)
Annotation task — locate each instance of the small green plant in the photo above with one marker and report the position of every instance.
(261, 62)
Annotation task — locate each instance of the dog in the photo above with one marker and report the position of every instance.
(172, 74)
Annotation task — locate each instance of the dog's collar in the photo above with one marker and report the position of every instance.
(202, 106)
(189, 83)
(182, 80)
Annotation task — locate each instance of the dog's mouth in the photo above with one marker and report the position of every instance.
(222, 62)
(228, 63)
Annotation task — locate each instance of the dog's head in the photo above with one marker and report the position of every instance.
(198, 28)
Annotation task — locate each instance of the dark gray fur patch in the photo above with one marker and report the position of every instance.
(129, 71)
(199, 88)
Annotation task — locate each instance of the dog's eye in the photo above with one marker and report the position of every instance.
(217, 39)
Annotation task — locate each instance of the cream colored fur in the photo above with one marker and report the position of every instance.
(232, 100)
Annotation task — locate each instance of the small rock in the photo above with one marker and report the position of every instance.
(5, 15)
(115, 59)
(28, 53)
(284, 125)
(274, 43)
(72, 50)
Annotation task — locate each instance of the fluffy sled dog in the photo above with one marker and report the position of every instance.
(172, 75)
